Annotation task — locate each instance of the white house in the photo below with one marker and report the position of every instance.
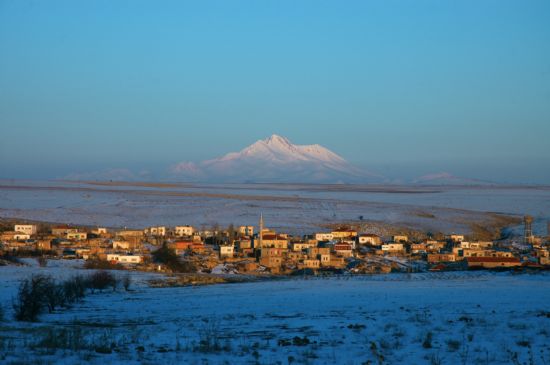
(183, 231)
(156, 231)
(29, 229)
(246, 230)
(123, 245)
(99, 231)
(324, 236)
(370, 239)
(226, 251)
(124, 259)
(392, 247)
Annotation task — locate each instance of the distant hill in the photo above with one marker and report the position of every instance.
(276, 159)
(445, 178)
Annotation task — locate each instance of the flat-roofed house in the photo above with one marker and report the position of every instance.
(184, 231)
(62, 230)
(392, 247)
(370, 239)
(274, 241)
(344, 233)
(227, 251)
(324, 236)
(400, 238)
(124, 259)
(246, 231)
(343, 249)
(492, 262)
(29, 229)
(156, 231)
(78, 236)
(14, 236)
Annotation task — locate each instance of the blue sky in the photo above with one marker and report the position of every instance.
(404, 88)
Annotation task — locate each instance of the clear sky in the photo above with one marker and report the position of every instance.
(404, 88)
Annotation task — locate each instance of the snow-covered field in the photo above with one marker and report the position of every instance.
(292, 208)
(435, 318)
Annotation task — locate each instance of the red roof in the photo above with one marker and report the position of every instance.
(342, 247)
(493, 259)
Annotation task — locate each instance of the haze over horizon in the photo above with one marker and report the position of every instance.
(398, 88)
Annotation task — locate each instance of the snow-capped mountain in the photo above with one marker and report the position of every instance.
(276, 159)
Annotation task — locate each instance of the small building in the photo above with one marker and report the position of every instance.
(182, 246)
(400, 238)
(343, 249)
(456, 237)
(299, 246)
(14, 236)
(324, 236)
(99, 231)
(435, 258)
(77, 236)
(342, 233)
(227, 251)
(184, 231)
(247, 231)
(124, 259)
(311, 264)
(121, 245)
(370, 239)
(45, 245)
(274, 241)
(159, 231)
(29, 229)
(492, 262)
(62, 230)
(127, 234)
(418, 248)
(392, 247)
(272, 262)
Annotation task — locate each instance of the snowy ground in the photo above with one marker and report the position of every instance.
(430, 318)
(292, 208)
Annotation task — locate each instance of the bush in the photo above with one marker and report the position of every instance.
(42, 261)
(101, 280)
(126, 282)
(427, 343)
(41, 292)
(31, 298)
(167, 256)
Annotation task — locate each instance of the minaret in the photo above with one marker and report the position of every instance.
(528, 229)
(260, 237)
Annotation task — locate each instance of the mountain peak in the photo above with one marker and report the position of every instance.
(277, 139)
(276, 159)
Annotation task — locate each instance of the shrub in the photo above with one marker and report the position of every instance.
(126, 282)
(427, 343)
(31, 298)
(167, 256)
(42, 261)
(101, 280)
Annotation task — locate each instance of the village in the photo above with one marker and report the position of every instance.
(245, 250)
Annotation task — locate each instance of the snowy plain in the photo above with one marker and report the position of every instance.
(295, 208)
(427, 318)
